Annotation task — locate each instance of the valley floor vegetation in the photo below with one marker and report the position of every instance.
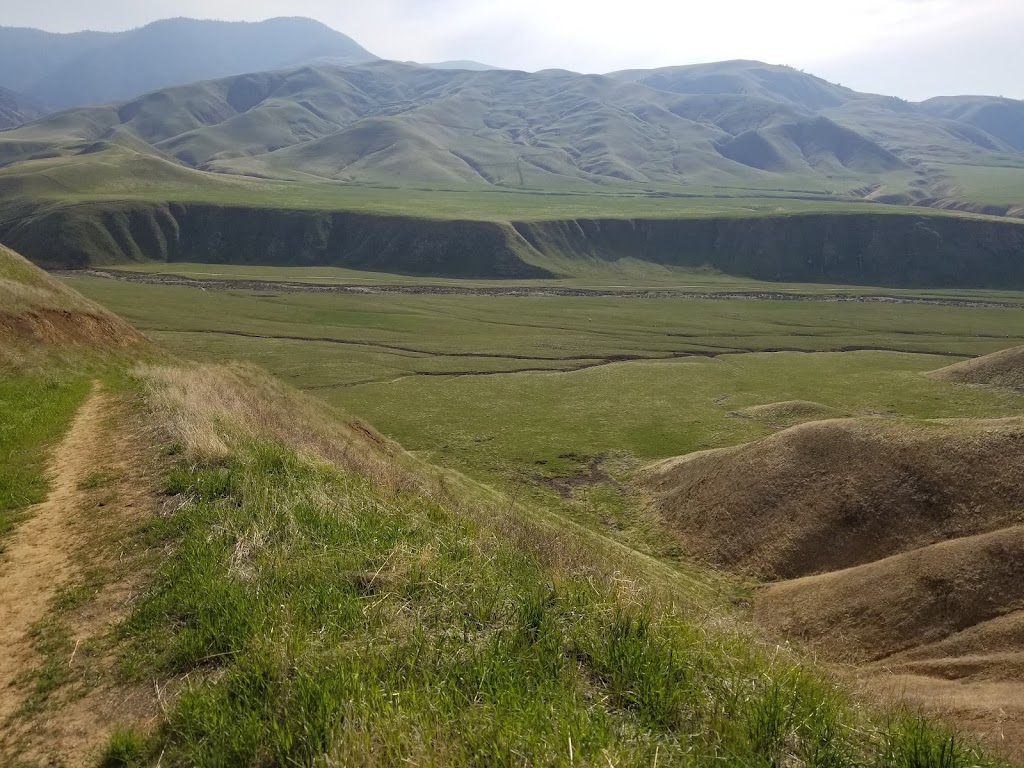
(325, 614)
(257, 578)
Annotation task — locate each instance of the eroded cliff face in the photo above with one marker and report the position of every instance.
(909, 250)
(74, 237)
(885, 249)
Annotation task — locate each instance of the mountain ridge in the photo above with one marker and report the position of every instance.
(65, 71)
(769, 127)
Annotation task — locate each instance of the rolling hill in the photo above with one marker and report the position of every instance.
(829, 495)
(1000, 369)
(894, 545)
(64, 71)
(152, 177)
(727, 126)
(1001, 118)
(16, 109)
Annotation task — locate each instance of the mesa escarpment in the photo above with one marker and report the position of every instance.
(884, 249)
(75, 237)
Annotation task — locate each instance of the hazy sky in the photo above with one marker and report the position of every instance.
(909, 48)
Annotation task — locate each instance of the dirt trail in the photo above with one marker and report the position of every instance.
(38, 561)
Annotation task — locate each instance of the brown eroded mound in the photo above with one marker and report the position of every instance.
(940, 628)
(789, 413)
(916, 602)
(830, 495)
(36, 309)
(1000, 369)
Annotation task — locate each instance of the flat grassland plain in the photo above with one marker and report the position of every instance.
(556, 399)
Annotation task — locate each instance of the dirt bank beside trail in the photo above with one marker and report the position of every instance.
(523, 290)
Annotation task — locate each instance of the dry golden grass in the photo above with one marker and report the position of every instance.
(1000, 369)
(903, 545)
(39, 314)
(941, 627)
(211, 409)
(25, 287)
(835, 494)
(913, 602)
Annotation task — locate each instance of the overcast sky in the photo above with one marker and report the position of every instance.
(909, 48)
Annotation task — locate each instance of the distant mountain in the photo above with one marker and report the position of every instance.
(29, 55)
(64, 71)
(736, 125)
(1002, 118)
(473, 66)
(753, 79)
(16, 109)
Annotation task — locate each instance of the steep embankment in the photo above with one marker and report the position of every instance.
(78, 236)
(37, 310)
(864, 249)
(885, 249)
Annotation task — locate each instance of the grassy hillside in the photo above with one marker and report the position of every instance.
(39, 314)
(256, 578)
(16, 109)
(48, 333)
(356, 618)
(729, 125)
(1000, 369)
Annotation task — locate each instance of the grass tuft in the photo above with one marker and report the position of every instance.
(125, 749)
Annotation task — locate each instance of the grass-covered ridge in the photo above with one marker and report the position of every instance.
(323, 614)
(51, 338)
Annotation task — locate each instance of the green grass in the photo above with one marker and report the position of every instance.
(322, 619)
(507, 425)
(386, 357)
(988, 185)
(532, 433)
(37, 409)
(122, 176)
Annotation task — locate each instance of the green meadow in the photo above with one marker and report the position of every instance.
(557, 399)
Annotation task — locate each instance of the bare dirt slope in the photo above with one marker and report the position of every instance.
(38, 311)
(103, 486)
(1000, 369)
